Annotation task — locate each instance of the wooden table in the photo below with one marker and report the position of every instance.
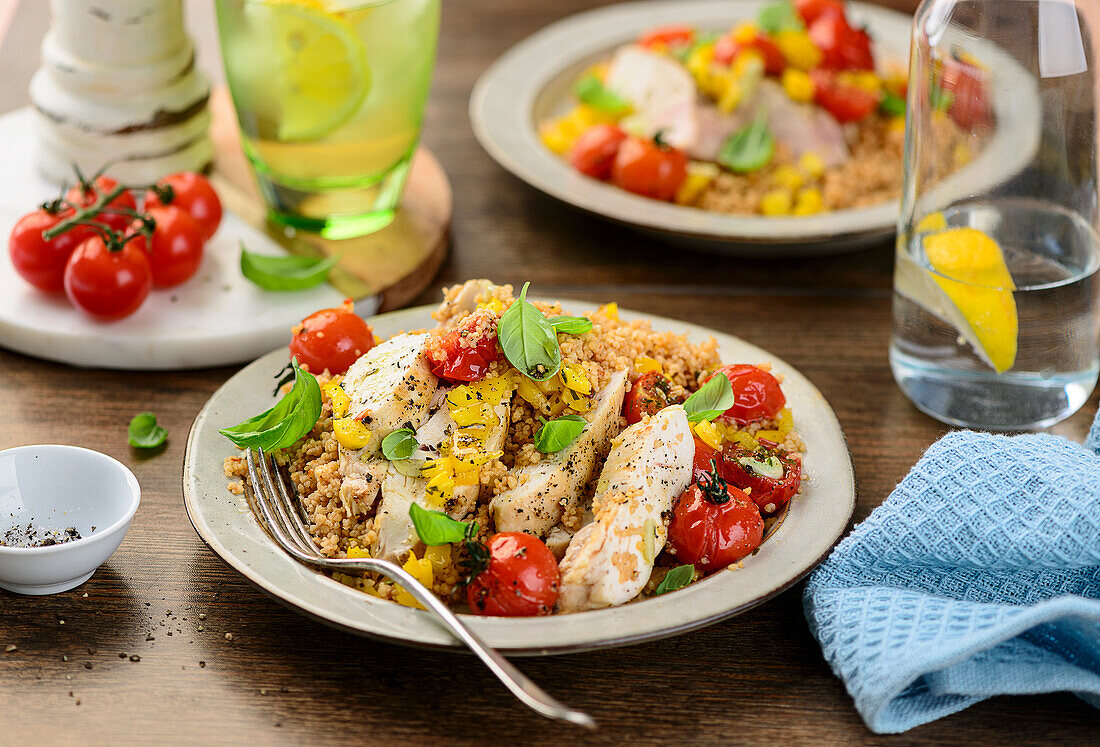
(164, 597)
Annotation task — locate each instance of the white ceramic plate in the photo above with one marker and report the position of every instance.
(533, 81)
(214, 319)
(815, 521)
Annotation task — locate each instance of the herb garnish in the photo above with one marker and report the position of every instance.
(477, 555)
(556, 434)
(144, 433)
(590, 90)
(528, 340)
(285, 273)
(780, 17)
(712, 399)
(715, 490)
(750, 148)
(571, 325)
(290, 419)
(399, 445)
(435, 527)
(676, 578)
(892, 104)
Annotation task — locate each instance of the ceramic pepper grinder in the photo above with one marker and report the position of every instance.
(118, 83)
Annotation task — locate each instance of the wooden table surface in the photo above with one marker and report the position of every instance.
(164, 597)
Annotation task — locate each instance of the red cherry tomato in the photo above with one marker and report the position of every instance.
(756, 393)
(846, 103)
(331, 339)
(969, 99)
(650, 394)
(42, 263)
(193, 194)
(811, 10)
(108, 284)
(594, 152)
(842, 47)
(727, 49)
(176, 246)
(83, 198)
(668, 36)
(521, 580)
(738, 468)
(714, 524)
(650, 170)
(706, 458)
(452, 357)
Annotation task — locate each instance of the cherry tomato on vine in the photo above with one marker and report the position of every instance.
(331, 339)
(650, 394)
(38, 261)
(108, 282)
(85, 197)
(520, 579)
(714, 524)
(756, 393)
(594, 152)
(175, 248)
(771, 476)
(648, 169)
(449, 358)
(192, 194)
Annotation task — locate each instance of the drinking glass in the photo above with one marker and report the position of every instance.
(996, 321)
(330, 98)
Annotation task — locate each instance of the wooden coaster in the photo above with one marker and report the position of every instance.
(394, 265)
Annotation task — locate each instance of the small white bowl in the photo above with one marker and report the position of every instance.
(56, 487)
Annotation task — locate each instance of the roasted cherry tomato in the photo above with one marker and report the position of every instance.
(649, 169)
(520, 578)
(42, 263)
(109, 282)
(331, 339)
(192, 194)
(453, 356)
(756, 393)
(842, 47)
(714, 524)
(706, 458)
(84, 197)
(727, 49)
(769, 475)
(176, 246)
(845, 102)
(966, 84)
(811, 10)
(667, 36)
(650, 394)
(594, 152)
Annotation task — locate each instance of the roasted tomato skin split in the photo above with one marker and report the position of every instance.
(650, 394)
(521, 579)
(451, 359)
(331, 339)
(769, 494)
(714, 524)
(756, 393)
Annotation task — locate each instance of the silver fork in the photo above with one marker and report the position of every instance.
(284, 522)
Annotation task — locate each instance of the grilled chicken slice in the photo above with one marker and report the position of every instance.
(801, 128)
(360, 481)
(460, 301)
(537, 504)
(610, 559)
(660, 90)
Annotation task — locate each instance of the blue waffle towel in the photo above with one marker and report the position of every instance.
(978, 576)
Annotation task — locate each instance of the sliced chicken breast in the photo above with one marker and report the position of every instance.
(609, 561)
(461, 301)
(801, 128)
(360, 480)
(661, 91)
(546, 489)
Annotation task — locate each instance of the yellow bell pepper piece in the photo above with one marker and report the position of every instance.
(338, 397)
(812, 164)
(788, 177)
(578, 402)
(784, 424)
(808, 201)
(708, 433)
(609, 310)
(645, 365)
(776, 202)
(798, 49)
(421, 570)
(357, 552)
(574, 378)
(350, 433)
(797, 85)
(745, 33)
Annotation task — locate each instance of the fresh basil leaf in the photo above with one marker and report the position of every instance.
(892, 104)
(285, 273)
(590, 90)
(571, 325)
(399, 445)
(750, 148)
(144, 433)
(556, 434)
(780, 17)
(712, 399)
(291, 418)
(529, 342)
(435, 527)
(676, 578)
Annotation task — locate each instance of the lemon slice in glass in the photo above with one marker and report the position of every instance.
(314, 68)
(968, 286)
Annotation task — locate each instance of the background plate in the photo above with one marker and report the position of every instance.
(816, 520)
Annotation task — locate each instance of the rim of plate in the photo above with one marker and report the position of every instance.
(530, 80)
(813, 525)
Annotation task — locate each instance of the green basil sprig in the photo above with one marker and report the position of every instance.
(780, 17)
(435, 527)
(750, 148)
(712, 399)
(590, 90)
(571, 325)
(399, 445)
(529, 342)
(285, 273)
(556, 434)
(892, 104)
(676, 578)
(291, 418)
(144, 433)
